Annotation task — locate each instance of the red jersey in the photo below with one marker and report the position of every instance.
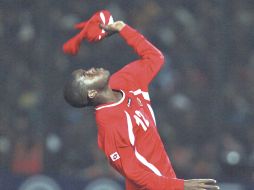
(127, 130)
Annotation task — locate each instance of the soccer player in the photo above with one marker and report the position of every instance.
(127, 131)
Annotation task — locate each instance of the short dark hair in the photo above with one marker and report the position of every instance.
(75, 93)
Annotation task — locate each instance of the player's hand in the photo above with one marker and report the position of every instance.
(200, 184)
(90, 31)
(113, 28)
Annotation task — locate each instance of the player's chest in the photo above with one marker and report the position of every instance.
(138, 112)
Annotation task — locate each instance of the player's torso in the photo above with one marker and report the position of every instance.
(135, 117)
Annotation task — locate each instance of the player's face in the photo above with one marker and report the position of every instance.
(94, 78)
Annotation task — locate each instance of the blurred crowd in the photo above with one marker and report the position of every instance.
(203, 98)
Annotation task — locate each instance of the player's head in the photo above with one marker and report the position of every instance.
(83, 86)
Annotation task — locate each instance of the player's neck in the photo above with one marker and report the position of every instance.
(118, 95)
(109, 96)
(113, 96)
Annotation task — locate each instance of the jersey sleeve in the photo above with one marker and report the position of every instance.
(121, 156)
(151, 59)
(139, 175)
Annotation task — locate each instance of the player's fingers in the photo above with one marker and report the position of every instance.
(211, 181)
(210, 187)
(105, 27)
(108, 28)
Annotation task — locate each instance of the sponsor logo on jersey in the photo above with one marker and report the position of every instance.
(114, 156)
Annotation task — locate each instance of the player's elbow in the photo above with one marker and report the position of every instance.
(161, 59)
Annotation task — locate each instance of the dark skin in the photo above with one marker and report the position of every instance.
(96, 80)
(99, 92)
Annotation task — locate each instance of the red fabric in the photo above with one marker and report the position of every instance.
(127, 131)
(90, 30)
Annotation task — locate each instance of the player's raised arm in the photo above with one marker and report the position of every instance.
(151, 59)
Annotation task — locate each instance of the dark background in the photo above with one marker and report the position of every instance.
(203, 98)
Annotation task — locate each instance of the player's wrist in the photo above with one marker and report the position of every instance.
(119, 25)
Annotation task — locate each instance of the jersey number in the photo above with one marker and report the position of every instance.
(141, 120)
